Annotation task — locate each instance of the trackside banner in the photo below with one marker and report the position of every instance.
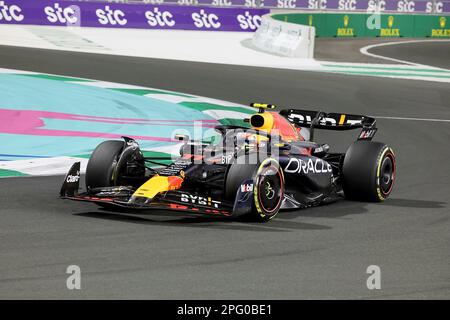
(141, 16)
(366, 25)
(390, 6)
(398, 6)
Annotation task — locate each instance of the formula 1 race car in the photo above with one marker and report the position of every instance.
(254, 171)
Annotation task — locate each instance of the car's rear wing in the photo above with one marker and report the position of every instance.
(331, 121)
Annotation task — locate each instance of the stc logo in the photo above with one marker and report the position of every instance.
(288, 4)
(111, 16)
(206, 20)
(10, 13)
(159, 18)
(436, 6)
(254, 3)
(247, 21)
(376, 6)
(348, 5)
(62, 15)
(222, 3)
(406, 6)
(317, 4)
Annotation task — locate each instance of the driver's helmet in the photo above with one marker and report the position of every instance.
(275, 124)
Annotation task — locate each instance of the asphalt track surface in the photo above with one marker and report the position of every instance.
(317, 253)
(418, 52)
(347, 50)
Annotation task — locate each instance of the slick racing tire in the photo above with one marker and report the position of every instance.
(368, 171)
(101, 165)
(268, 187)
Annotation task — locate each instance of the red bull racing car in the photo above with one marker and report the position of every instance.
(256, 170)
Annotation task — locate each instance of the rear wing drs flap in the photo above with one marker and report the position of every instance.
(331, 121)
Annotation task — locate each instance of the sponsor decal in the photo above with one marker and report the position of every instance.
(112, 191)
(10, 12)
(406, 6)
(157, 18)
(204, 201)
(347, 5)
(311, 166)
(72, 179)
(442, 32)
(203, 19)
(367, 134)
(188, 2)
(345, 31)
(434, 7)
(254, 3)
(222, 3)
(299, 118)
(246, 187)
(287, 4)
(88, 198)
(58, 14)
(317, 4)
(248, 22)
(175, 168)
(389, 31)
(113, 17)
(318, 150)
(226, 159)
(376, 6)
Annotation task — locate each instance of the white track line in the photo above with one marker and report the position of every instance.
(413, 119)
(365, 51)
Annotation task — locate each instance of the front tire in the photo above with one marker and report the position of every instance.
(368, 171)
(268, 187)
(101, 165)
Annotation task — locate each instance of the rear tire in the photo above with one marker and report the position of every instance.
(268, 187)
(368, 171)
(101, 164)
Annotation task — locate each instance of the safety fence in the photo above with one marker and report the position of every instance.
(372, 25)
